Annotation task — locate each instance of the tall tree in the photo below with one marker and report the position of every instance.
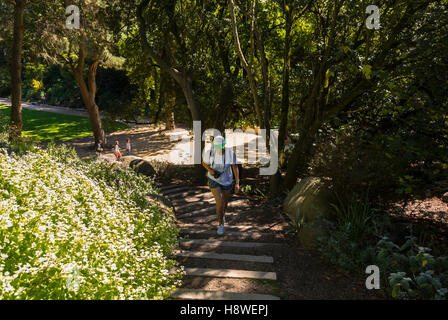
(340, 42)
(16, 71)
(291, 12)
(182, 78)
(248, 68)
(82, 50)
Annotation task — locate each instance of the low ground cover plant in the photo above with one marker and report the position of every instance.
(359, 235)
(71, 229)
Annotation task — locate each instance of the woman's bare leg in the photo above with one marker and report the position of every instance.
(218, 195)
(225, 201)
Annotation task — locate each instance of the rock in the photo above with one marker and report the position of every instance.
(445, 197)
(138, 164)
(125, 161)
(308, 201)
(143, 167)
(106, 158)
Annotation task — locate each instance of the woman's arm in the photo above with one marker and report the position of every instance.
(236, 173)
(207, 167)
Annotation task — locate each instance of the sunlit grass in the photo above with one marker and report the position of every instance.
(48, 126)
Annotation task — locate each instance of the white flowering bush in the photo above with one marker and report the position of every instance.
(77, 230)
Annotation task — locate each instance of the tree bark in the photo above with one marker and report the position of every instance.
(16, 123)
(170, 99)
(276, 178)
(265, 76)
(285, 89)
(247, 68)
(88, 93)
(225, 102)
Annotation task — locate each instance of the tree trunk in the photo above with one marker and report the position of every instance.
(181, 78)
(16, 72)
(285, 90)
(275, 180)
(247, 68)
(170, 99)
(88, 93)
(160, 100)
(309, 125)
(225, 102)
(302, 151)
(226, 98)
(265, 76)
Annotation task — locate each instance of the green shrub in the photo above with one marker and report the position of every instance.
(20, 145)
(355, 239)
(412, 272)
(58, 94)
(355, 215)
(78, 230)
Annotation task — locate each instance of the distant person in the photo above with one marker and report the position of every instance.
(220, 162)
(117, 151)
(128, 146)
(99, 147)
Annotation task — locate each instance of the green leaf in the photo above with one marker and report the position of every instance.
(346, 49)
(367, 71)
(405, 284)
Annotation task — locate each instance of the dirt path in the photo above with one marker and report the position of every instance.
(255, 259)
(48, 108)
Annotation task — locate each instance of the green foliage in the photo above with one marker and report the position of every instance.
(419, 275)
(60, 87)
(252, 190)
(114, 91)
(356, 237)
(97, 239)
(354, 215)
(296, 224)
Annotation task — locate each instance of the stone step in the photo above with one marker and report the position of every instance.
(192, 198)
(227, 244)
(186, 193)
(207, 226)
(199, 204)
(241, 215)
(228, 232)
(211, 209)
(175, 190)
(168, 187)
(205, 196)
(223, 256)
(230, 273)
(195, 294)
(206, 201)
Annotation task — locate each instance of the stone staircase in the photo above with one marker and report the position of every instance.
(238, 265)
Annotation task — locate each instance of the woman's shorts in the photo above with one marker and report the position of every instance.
(213, 184)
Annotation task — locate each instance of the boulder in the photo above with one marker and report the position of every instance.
(107, 158)
(136, 163)
(308, 201)
(143, 167)
(125, 161)
(445, 197)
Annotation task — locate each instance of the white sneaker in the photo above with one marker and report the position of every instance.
(221, 229)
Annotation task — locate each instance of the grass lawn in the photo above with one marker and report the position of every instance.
(48, 126)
